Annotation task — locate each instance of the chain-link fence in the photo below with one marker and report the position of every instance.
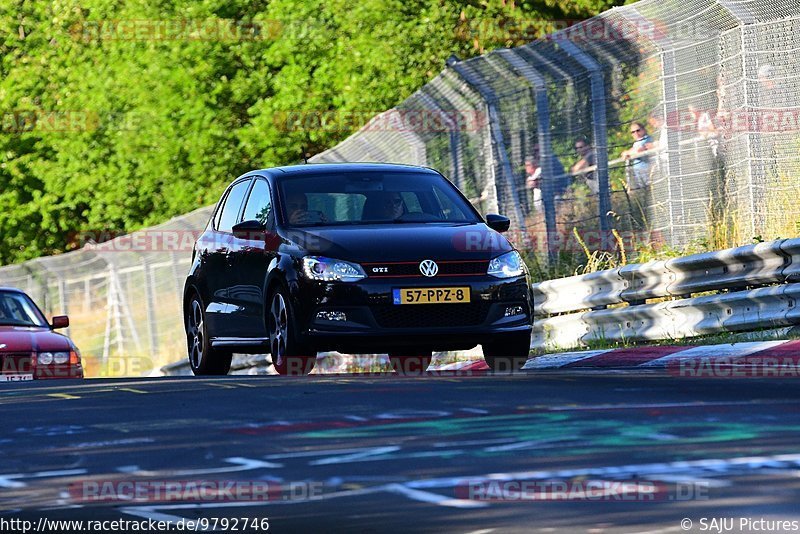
(123, 296)
(662, 123)
(671, 123)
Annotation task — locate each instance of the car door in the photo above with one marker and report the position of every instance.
(220, 274)
(253, 255)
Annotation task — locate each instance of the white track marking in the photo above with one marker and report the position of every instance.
(416, 490)
(10, 480)
(242, 464)
(327, 452)
(708, 466)
(356, 457)
(433, 498)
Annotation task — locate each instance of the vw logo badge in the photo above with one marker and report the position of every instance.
(428, 268)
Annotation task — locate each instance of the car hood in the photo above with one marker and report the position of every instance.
(402, 242)
(27, 339)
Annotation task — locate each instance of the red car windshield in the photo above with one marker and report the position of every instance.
(16, 309)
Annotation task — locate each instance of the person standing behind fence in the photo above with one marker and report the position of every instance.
(586, 153)
(533, 174)
(640, 164)
(533, 169)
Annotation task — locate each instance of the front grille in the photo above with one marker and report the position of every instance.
(15, 362)
(431, 315)
(410, 269)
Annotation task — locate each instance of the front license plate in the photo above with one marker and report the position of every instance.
(431, 295)
(15, 378)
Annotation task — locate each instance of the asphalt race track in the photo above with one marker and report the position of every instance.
(354, 453)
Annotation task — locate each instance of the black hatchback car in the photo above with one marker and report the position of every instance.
(357, 258)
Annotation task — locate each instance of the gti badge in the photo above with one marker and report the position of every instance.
(428, 268)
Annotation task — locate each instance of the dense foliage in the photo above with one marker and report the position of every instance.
(119, 114)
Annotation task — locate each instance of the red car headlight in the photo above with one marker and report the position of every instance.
(58, 358)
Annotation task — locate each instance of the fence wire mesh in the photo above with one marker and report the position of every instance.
(661, 123)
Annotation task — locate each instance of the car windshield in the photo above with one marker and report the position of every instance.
(16, 309)
(372, 198)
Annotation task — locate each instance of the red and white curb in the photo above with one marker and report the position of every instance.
(776, 358)
(661, 357)
(652, 357)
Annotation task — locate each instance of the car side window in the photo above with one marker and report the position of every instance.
(218, 214)
(233, 204)
(259, 204)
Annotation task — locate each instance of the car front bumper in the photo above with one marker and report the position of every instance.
(374, 323)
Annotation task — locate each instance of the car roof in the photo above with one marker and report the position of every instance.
(322, 168)
(13, 289)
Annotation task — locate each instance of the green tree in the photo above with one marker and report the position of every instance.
(117, 115)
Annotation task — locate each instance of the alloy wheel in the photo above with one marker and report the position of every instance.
(195, 334)
(279, 330)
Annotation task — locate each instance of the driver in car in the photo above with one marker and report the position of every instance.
(392, 206)
(297, 210)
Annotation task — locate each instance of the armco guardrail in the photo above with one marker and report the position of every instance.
(756, 288)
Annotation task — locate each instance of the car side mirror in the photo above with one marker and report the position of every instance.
(60, 321)
(498, 223)
(251, 229)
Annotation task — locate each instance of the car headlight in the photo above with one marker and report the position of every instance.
(60, 357)
(330, 270)
(508, 265)
(45, 358)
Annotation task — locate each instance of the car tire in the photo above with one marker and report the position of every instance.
(289, 355)
(508, 352)
(415, 363)
(203, 358)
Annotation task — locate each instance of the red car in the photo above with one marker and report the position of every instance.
(28, 346)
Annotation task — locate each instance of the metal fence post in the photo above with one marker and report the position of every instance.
(755, 162)
(669, 85)
(599, 130)
(498, 143)
(512, 57)
(456, 169)
(176, 276)
(62, 299)
(149, 290)
(455, 91)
